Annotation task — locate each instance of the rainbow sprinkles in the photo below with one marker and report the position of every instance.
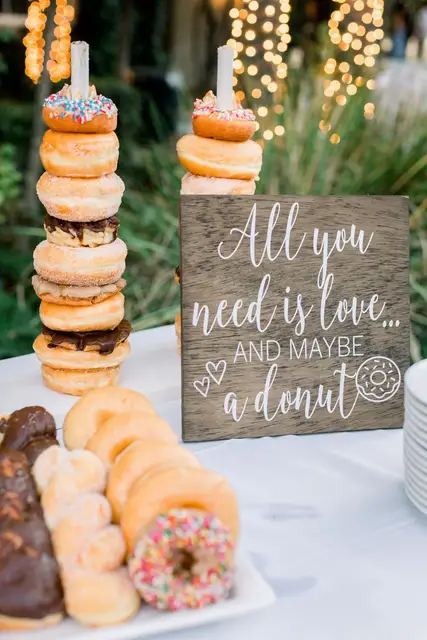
(207, 107)
(80, 111)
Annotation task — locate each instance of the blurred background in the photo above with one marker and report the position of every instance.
(339, 88)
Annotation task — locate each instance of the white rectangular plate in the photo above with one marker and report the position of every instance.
(250, 593)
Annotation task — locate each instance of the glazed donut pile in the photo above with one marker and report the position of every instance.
(220, 156)
(179, 521)
(79, 266)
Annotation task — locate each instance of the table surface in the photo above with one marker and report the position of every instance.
(324, 518)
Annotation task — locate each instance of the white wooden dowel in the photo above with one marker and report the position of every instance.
(224, 88)
(79, 70)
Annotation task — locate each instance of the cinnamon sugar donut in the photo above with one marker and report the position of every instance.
(81, 199)
(80, 266)
(201, 185)
(79, 155)
(220, 158)
(104, 315)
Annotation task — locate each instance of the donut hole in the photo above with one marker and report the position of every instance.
(183, 561)
(378, 378)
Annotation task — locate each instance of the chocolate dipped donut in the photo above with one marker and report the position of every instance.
(30, 430)
(102, 341)
(81, 234)
(30, 589)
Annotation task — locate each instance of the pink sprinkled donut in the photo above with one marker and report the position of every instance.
(184, 561)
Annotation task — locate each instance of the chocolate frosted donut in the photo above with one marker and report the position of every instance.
(102, 341)
(26, 425)
(36, 447)
(178, 275)
(81, 234)
(15, 479)
(30, 589)
(30, 586)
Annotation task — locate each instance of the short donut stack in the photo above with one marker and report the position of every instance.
(220, 155)
(180, 522)
(89, 549)
(80, 264)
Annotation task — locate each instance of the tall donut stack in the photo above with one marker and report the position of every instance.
(220, 155)
(80, 264)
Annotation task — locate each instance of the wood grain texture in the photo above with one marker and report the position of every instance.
(207, 279)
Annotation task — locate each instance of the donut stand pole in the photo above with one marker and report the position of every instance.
(224, 87)
(79, 70)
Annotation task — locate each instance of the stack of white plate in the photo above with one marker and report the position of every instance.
(415, 435)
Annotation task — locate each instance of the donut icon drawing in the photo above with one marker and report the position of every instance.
(378, 379)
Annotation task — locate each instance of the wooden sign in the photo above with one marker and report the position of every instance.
(295, 314)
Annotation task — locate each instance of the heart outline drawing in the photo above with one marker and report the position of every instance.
(200, 385)
(211, 365)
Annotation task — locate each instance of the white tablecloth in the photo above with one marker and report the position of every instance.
(325, 518)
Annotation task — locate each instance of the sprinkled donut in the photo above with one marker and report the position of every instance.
(96, 114)
(378, 379)
(183, 561)
(236, 125)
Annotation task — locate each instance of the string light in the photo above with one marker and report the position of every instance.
(355, 29)
(33, 41)
(260, 37)
(58, 64)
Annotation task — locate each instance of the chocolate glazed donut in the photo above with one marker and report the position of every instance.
(31, 430)
(30, 588)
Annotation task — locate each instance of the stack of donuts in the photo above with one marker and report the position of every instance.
(89, 549)
(220, 156)
(31, 594)
(179, 521)
(80, 264)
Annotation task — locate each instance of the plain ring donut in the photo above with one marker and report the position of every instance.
(173, 488)
(90, 412)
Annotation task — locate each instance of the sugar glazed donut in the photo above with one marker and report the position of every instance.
(203, 185)
(184, 560)
(96, 114)
(237, 125)
(91, 411)
(220, 158)
(79, 155)
(80, 266)
(104, 315)
(174, 488)
(81, 199)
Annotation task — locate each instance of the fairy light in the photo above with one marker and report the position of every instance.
(58, 64)
(355, 28)
(260, 37)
